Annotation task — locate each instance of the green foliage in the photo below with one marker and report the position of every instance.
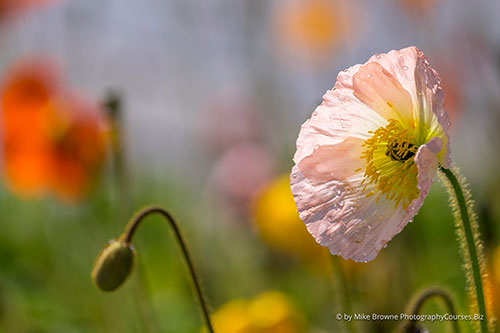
(47, 251)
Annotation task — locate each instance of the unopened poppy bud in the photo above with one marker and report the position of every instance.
(113, 265)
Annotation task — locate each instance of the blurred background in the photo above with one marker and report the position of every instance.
(108, 106)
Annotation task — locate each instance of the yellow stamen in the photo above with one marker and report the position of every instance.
(389, 155)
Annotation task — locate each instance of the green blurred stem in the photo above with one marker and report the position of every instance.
(426, 295)
(341, 289)
(127, 239)
(113, 104)
(471, 246)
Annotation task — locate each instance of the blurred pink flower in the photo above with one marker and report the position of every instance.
(367, 157)
(228, 118)
(453, 79)
(241, 171)
(418, 7)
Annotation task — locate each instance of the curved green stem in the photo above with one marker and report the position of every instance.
(127, 239)
(472, 249)
(426, 295)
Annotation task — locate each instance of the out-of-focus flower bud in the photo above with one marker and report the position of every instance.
(113, 265)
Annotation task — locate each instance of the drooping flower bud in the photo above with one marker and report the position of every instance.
(113, 265)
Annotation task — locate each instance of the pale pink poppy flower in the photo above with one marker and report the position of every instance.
(367, 157)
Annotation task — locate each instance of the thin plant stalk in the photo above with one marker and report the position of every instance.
(127, 239)
(423, 297)
(471, 246)
(113, 104)
(342, 292)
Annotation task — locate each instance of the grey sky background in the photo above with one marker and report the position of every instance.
(168, 57)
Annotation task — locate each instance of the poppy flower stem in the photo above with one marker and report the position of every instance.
(469, 238)
(424, 296)
(127, 239)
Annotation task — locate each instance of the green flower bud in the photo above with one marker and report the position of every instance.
(113, 265)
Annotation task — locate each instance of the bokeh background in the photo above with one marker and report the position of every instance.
(196, 106)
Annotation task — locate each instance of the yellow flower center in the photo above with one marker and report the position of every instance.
(389, 155)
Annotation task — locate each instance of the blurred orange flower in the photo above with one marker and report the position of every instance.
(268, 312)
(51, 141)
(311, 28)
(279, 225)
(12, 7)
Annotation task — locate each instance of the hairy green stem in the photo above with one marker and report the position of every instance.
(127, 239)
(472, 254)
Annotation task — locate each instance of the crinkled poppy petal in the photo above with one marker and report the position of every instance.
(431, 101)
(401, 65)
(339, 116)
(379, 89)
(333, 161)
(410, 67)
(340, 215)
(359, 103)
(354, 217)
(426, 160)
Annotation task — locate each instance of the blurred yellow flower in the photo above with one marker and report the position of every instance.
(495, 265)
(489, 298)
(278, 223)
(492, 284)
(268, 312)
